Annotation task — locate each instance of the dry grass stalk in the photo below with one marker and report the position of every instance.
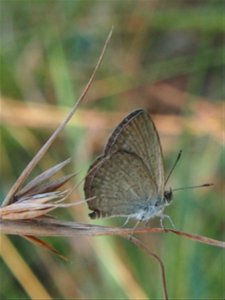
(29, 168)
(52, 227)
(138, 243)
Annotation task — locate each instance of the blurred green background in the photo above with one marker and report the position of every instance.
(165, 56)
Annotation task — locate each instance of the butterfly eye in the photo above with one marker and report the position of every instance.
(168, 195)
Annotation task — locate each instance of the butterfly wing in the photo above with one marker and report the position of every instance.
(138, 134)
(121, 184)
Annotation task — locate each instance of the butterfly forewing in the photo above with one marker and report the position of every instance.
(138, 134)
(113, 143)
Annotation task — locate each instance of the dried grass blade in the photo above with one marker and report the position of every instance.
(198, 238)
(32, 164)
(28, 214)
(42, 177)
(46, 188)
(29, 209)
(44, 245)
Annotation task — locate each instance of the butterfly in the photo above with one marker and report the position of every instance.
(128, 178)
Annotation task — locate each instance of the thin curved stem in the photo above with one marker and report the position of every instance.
(32, 164)
(138, 243)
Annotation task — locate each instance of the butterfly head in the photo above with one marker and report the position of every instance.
(168, 196)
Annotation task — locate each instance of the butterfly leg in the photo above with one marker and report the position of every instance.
(126, 222)
(141, 220)
(167, 217)
(135, 226)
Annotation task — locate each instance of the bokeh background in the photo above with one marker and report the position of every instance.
(164, 56)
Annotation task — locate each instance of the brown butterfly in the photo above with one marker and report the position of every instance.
(128, 178)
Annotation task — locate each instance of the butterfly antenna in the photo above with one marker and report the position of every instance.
(174, 165)
(193, 187)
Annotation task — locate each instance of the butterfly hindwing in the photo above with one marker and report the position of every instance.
(122, 185)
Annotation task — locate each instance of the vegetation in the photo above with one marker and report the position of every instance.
(165, 56)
